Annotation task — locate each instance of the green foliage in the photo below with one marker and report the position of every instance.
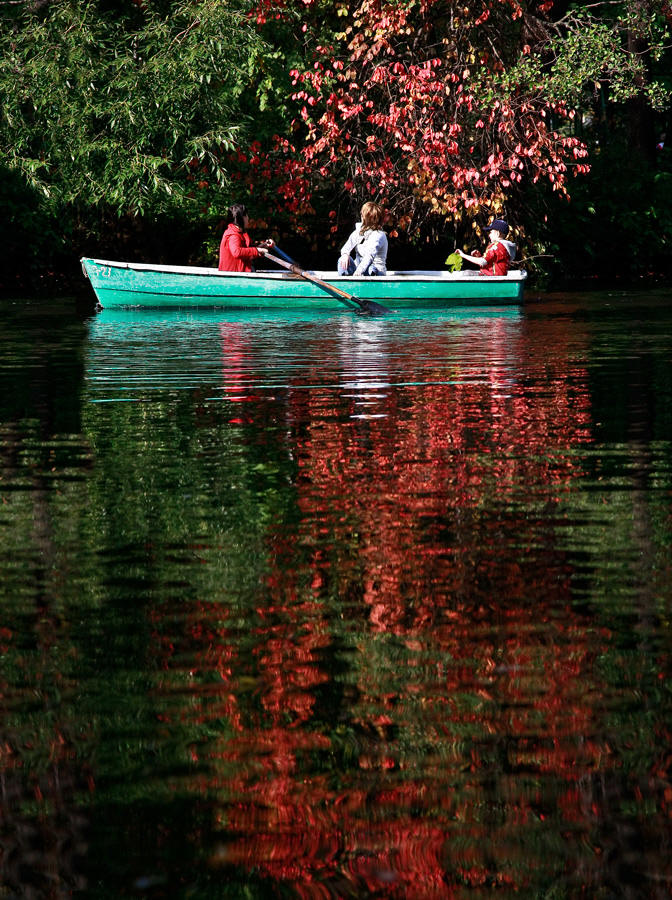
(128, 127)
(585, 51)
(454, 262)
(609, 64)
(104, 112)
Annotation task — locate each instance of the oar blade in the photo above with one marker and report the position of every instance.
(371, 308)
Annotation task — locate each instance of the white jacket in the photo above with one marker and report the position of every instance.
(370, 250)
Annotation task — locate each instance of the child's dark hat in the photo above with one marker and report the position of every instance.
(498, 225)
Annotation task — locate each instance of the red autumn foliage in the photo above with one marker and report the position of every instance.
(409, 103)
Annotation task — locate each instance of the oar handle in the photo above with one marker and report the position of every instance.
(283, 254)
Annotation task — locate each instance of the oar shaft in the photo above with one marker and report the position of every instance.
(367, 306)
(330, 288)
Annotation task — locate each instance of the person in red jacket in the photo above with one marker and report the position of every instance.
(236, 250)
(499, 253)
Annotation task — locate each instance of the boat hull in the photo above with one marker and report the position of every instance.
(125, 285)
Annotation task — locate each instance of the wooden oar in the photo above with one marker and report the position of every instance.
(368, 306)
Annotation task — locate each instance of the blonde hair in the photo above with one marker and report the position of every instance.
(372, 217)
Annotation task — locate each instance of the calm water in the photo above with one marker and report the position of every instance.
(326, 606)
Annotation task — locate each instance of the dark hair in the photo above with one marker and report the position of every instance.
(237, 213)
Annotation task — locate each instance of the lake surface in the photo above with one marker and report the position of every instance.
(326, 606)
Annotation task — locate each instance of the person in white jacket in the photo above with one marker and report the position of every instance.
(369, 243)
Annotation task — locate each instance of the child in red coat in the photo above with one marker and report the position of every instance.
(499, 253)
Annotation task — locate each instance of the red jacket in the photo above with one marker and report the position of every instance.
(235, 250)
(497, 260)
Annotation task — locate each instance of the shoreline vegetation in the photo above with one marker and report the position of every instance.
(129, 128)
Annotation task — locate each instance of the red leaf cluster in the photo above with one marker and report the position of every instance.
(410, 104)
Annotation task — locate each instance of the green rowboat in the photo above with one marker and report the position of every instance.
(122, 284)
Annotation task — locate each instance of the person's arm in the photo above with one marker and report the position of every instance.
(239, 250)
(476, 260)
(348, 246)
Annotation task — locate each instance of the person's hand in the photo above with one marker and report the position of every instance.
(460, 252)
(267, 244)
(261, 249)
